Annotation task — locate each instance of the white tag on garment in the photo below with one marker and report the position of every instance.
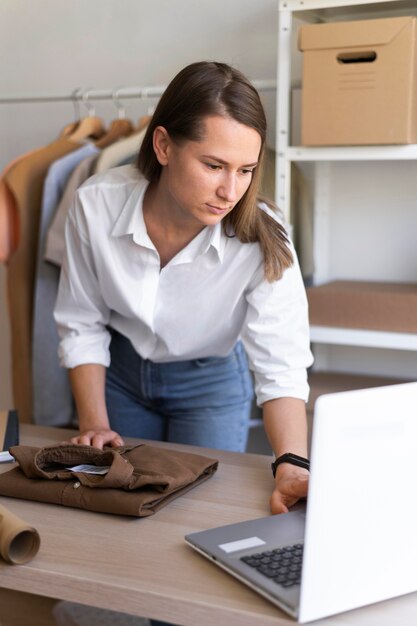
(90, 469)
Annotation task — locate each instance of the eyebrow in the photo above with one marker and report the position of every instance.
(214, 158)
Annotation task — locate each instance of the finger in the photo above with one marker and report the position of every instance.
(277, 504)
(84, 440)
(98, 441)
(117, 442)
(278, 508)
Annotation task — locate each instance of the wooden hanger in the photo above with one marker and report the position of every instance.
(89, 127)
(72, 126)
(143, 122)
(68, 129)
(118, 128)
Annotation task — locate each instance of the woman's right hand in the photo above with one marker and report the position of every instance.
(98, 438)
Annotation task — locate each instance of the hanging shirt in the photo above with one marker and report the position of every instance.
(25, 180)
(52, 398)
(55, 237)
(212, 293)
(119, 152)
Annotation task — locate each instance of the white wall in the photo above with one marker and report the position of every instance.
(56, 46)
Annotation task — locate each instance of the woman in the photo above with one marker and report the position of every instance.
(170, 268)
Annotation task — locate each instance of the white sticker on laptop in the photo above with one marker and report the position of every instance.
(242, 544)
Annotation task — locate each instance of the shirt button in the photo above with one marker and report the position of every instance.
(76, 485)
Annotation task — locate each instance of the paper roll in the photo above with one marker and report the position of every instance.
(19, 542)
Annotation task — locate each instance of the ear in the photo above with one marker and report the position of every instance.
(161, 144)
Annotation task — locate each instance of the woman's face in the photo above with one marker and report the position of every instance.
(203, 180)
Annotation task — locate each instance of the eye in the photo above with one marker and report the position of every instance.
(212, 166)
(248, 171)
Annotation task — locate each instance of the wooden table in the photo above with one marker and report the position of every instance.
(143, 566)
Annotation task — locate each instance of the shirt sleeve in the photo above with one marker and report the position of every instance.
(276, 335)
(80, 312)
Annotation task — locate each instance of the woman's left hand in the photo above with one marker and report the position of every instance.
(291, 484)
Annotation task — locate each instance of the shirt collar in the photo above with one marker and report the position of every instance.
(131, 222)
(216, 241)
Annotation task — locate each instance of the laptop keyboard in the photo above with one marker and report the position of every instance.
(283, 565)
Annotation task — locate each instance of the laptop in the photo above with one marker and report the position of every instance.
(354, 542)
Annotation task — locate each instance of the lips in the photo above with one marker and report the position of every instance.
(218, 210)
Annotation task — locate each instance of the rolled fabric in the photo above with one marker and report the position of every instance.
(19, 542)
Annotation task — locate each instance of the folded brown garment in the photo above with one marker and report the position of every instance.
(139, 481)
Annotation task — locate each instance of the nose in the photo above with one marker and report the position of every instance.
(228, 190)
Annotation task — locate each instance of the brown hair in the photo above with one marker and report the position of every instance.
(210, 88)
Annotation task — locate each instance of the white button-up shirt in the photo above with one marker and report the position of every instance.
(212, 293)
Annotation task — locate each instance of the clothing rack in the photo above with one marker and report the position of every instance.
(88, 95)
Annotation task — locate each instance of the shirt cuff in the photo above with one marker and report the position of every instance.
(77, 350)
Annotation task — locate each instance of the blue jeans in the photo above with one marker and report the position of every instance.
(204, 402)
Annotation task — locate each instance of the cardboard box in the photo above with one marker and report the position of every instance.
(359, 82)
(368, 305)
